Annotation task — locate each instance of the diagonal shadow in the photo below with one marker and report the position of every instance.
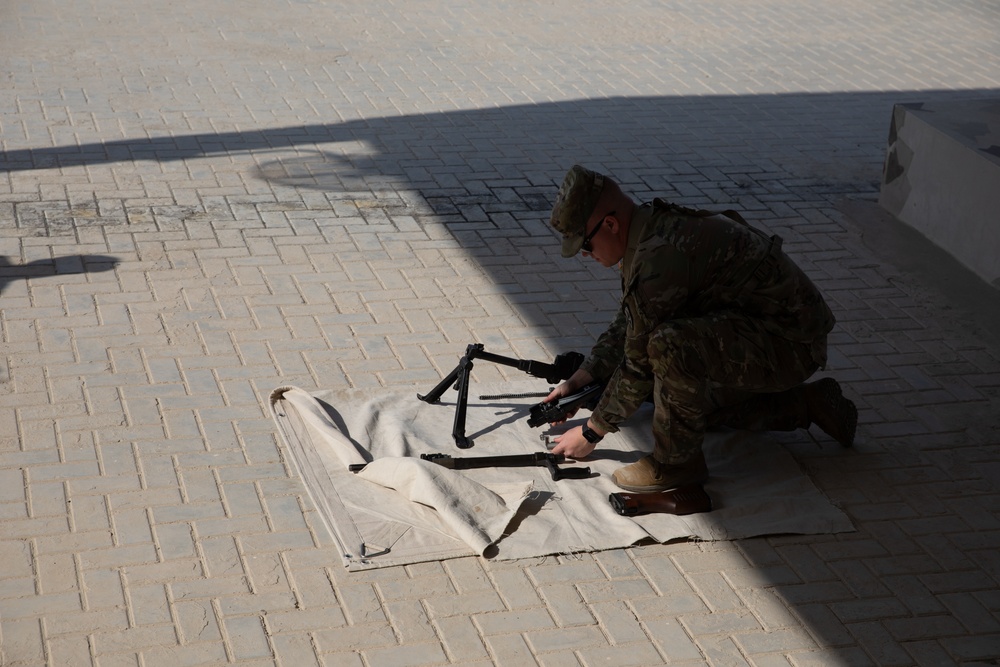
(490, 175)
(651, 136)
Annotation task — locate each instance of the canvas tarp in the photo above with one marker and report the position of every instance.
(400, 509)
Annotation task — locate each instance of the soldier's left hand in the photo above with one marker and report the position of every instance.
(573, 444)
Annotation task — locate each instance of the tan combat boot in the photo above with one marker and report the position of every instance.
(827, 408)
(648, 475)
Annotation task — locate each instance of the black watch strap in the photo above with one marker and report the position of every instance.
(591, 435)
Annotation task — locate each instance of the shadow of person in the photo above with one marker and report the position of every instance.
(67, 265)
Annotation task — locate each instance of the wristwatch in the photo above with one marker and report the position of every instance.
(591, 435)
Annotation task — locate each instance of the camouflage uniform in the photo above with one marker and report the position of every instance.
(716, 323)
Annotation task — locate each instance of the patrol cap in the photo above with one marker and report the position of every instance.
(581, 188)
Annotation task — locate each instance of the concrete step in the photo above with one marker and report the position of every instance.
(942, 177)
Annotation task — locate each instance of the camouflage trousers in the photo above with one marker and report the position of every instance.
(725, 369)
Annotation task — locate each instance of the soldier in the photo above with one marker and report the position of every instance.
(716, 324)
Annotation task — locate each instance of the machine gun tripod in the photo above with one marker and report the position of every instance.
(560, 369)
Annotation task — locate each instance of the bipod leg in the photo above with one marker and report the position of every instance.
(458, 430)
(471, 352)
(434, 395)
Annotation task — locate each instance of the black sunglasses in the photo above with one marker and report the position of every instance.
(593, 232)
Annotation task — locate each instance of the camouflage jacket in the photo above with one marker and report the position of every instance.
(679, 264)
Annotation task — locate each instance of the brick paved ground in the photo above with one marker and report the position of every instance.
(200, 201)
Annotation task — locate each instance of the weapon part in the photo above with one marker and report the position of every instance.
(530, 394)
(559, 410)
(545, 459)
(691, 499)
(562, 368)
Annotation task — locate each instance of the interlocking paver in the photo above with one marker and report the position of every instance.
(628, 655)
(247, 639)
(515, 588)
(410, 620)
(768, 608)
(511, 649)
(294, 650)
(878, 643)
(717, 592)
(777, 641)
(565, 603)
(623, 589)
(506, 622)
(355, 637)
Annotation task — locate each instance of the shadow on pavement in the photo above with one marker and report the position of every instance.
(60, 266)
(489, 176)
(822, 137)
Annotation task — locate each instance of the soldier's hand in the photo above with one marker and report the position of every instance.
(573, 444)
(579, 379)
